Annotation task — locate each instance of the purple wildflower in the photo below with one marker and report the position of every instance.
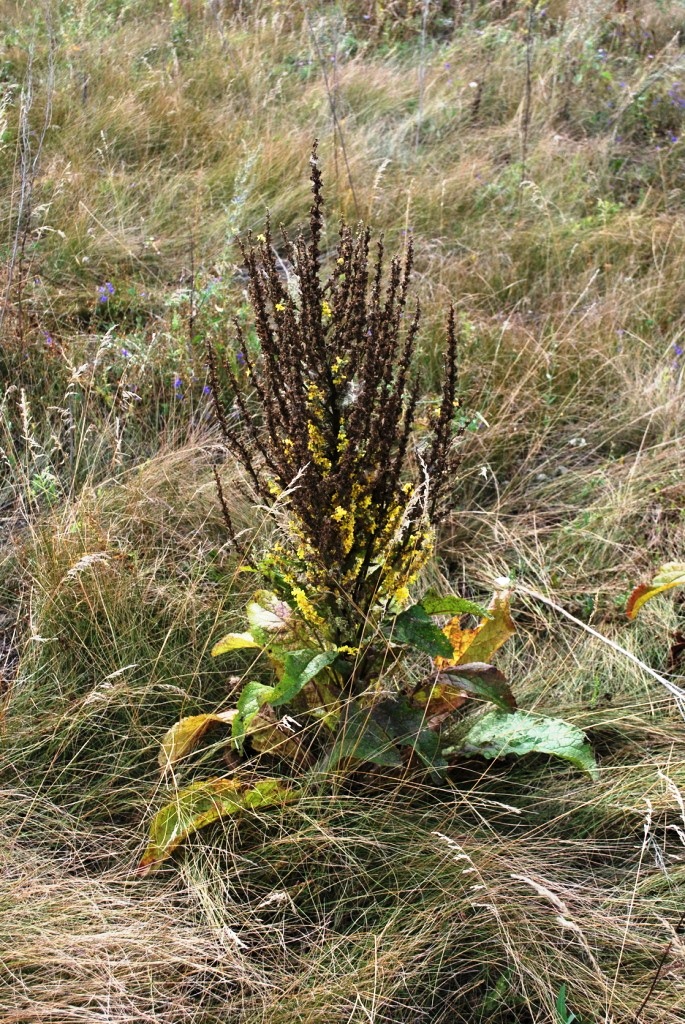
(105, 291)
(240, 358)
(125, 353)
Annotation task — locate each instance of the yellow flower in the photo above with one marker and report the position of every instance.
(339, 514)
(279, 307)
(326, 308)
(307, 609)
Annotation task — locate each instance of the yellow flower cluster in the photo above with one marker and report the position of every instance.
(317, 448)
(345, 517)
(307, 609)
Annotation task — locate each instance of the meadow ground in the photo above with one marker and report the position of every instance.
(537, 157)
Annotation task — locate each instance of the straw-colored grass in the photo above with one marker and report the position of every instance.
(560, 237)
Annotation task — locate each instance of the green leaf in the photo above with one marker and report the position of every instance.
(407, 727)
(414, 627)
(204, 802)
(564, 1016)
(300, 667)
(481, 680)
(434, 604)
(233, 642)
(186, 734)
(250, 701)
(363, 739)
(498, 734)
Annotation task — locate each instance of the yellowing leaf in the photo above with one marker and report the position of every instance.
(186, 734)
(233, 642)
(670, 575)
(204, 802)
(461, 640)
(479, 644)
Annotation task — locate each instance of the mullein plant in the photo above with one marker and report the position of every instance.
(322, 414)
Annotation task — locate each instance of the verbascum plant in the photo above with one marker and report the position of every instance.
(322, 415)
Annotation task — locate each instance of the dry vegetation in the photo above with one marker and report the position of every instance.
(536, 155)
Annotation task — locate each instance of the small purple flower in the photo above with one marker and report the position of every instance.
(447, 64)
(125, 353)
(679, 350)
(105, 291)
(676, 97)
(49, 340)
(240, 358)
(206, 390)
(178, 383)
(673, 137)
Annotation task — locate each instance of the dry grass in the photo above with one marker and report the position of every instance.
(171, 130)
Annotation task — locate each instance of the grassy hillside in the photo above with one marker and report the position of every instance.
(537, 157)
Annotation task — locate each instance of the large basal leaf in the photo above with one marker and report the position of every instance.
(498, 734)
(205, 802)
(434, 604)
(299, 668)
(478, 679)
(439, 699)
(479, 644)
(449, 689)
(407, 726)
(233, 642)
(414, 627)
(320, 700)
(363, 739)
(251, 699)
(269, 735)
(670, 575)
(187, 733)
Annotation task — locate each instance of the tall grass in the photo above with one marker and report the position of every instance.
(171, 129)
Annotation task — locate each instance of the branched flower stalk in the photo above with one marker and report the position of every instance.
(324, 415)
